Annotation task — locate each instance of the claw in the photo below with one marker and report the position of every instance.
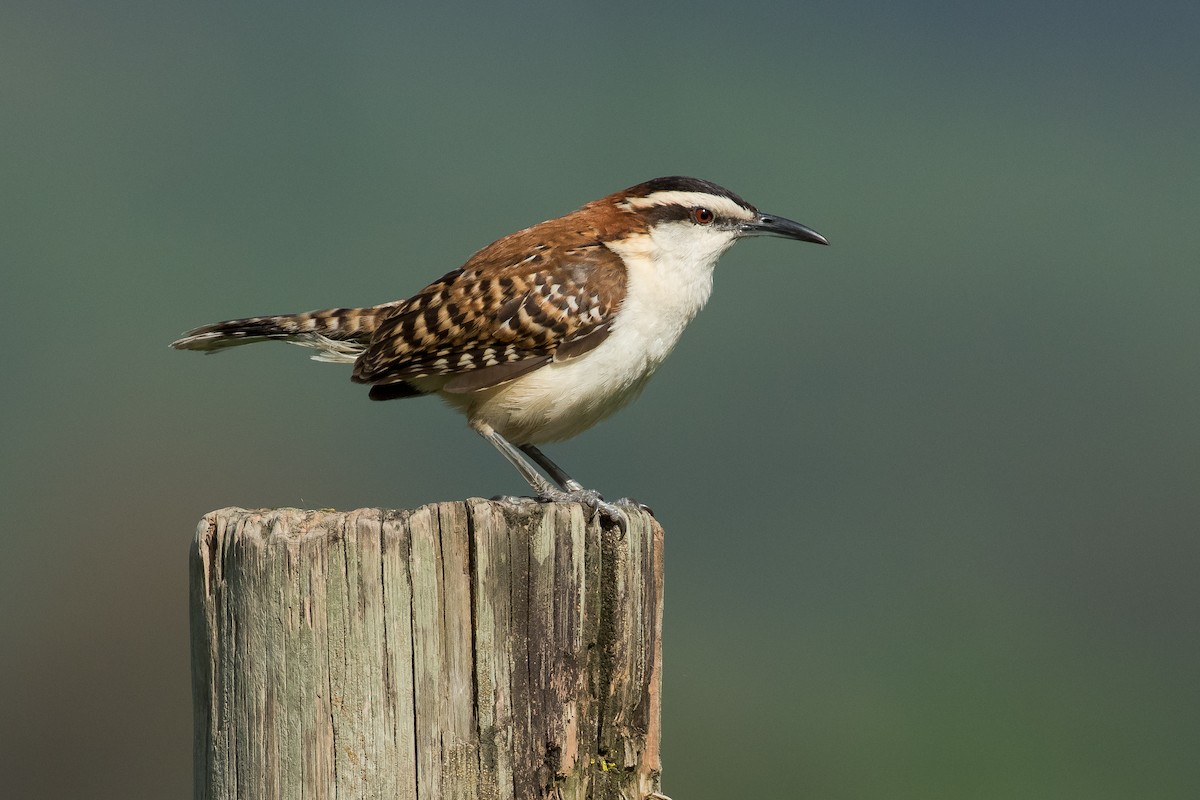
(514, 500)
(615, 514)
(590, 499)
(629, 501)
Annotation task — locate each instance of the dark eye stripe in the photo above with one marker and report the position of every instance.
(676, 213)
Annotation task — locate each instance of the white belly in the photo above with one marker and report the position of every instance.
(562, 399)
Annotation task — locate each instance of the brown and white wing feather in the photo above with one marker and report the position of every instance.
(485, 325)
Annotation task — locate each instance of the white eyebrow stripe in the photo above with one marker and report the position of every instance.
(722, 206)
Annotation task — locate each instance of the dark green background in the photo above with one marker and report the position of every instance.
(930, 494)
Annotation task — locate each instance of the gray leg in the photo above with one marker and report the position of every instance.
(570, 484)
(534, 478)
(572, 491)
(553, 470)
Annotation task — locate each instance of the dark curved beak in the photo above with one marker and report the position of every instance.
(771, 225)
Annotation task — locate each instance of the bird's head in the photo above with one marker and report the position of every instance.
(701, 218)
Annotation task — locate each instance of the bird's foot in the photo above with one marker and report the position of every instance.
(514, 500)
(591, 499)
(588, 498)
(610, 510)
(638, 504)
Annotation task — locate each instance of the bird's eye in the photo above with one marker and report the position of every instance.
(702, 216)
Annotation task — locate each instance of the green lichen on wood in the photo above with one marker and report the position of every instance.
(461, 650)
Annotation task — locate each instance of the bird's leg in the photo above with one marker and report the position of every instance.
(553, 470)
(572, 491)
(559, 475)
(535, 479)
(574, 487)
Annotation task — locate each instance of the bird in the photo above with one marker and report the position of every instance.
(544, 332)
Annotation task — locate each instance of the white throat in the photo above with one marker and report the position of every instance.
(669, 280)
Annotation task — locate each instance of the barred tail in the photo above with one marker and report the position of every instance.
(338, 334)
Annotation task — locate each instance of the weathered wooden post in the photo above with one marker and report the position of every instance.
(460, 650)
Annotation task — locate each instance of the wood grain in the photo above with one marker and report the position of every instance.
(470, 649)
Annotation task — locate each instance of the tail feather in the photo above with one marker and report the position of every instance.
(338, 334)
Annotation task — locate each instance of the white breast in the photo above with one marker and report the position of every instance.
(669, 281)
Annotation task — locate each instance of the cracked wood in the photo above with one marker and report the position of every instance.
(460, 650)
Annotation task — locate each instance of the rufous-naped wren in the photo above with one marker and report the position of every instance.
(542, 333)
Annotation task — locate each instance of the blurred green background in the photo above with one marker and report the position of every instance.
(931, 494)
